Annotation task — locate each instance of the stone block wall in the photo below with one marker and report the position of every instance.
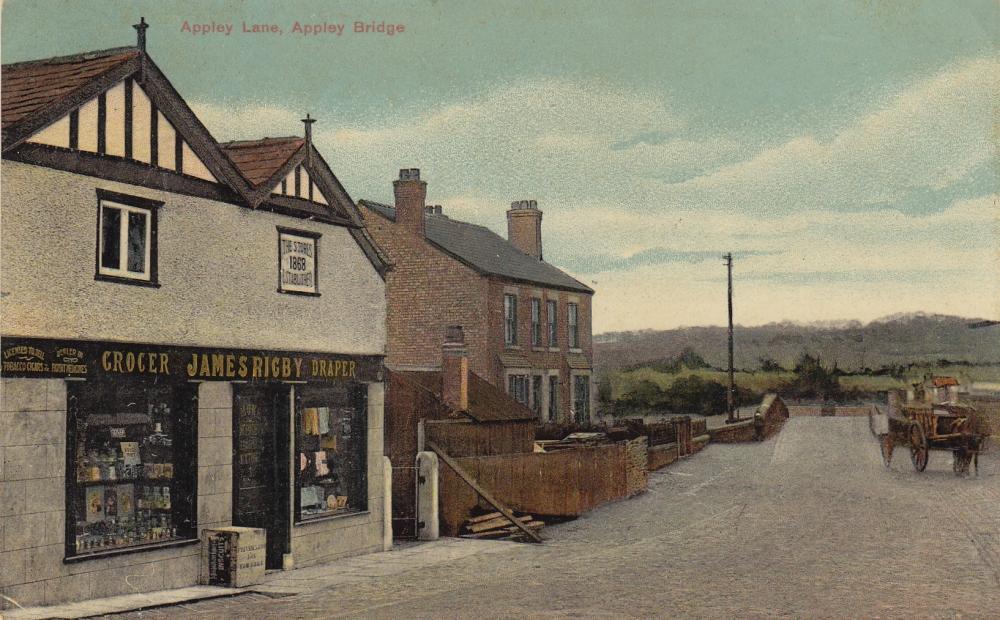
(636, 466)
(33, 501)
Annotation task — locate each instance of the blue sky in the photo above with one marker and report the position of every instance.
(845, 152)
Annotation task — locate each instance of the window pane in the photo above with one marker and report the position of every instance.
(137, 242)
(131, 486)
(536, 394)
(331, 443)
(110, 238)
(553, 397)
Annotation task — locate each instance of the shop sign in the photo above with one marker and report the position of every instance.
(48, 358)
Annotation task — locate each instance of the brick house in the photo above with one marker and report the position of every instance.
(527, 324)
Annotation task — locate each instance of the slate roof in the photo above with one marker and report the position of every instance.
(486, 251)
(258, 160)
(29, 87)
(487, 403)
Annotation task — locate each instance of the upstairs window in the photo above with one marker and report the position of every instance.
(510, 319)
(126, 238)
(552, 310)
(573, 315)
(536, 322)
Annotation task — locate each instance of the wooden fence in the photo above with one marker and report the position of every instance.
(566, 483)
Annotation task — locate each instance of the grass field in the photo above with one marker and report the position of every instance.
(624, 382)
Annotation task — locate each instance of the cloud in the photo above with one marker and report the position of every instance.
(640, 203)
(928, 137)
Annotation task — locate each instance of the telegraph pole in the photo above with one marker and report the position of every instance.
(730, 393)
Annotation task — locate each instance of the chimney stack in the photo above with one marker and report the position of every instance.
(455, 370)
(410, 193)
(524, 227)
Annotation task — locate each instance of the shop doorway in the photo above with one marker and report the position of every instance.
(260, 465)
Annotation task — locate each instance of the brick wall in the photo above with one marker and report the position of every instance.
(543, 357)
(427, 291)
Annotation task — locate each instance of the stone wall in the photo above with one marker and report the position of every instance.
(32, 501)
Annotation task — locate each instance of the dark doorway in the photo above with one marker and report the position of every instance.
(260, 464)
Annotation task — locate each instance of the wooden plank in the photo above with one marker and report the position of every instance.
(492, 524)
(481, 518)
(486, 495)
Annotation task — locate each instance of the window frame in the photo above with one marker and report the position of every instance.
(536, 322)
(573, 325)
(125, 204)
(537, 397)
(552, 385)
(510, 319)
(575, 398)
(356, 398)
(184, 489)
(517, 377)
(552, 311)
(305, 234)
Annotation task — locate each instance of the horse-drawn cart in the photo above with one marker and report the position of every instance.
(947, 426)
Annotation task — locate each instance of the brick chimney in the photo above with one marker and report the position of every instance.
(410, 194)
(524, 227)
(455, 370)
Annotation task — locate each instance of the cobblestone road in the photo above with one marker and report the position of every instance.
(809, 524)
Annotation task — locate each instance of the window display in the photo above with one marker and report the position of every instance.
(130, 476)
(330, 445)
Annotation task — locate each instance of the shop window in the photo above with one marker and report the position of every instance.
(517, 387)
(510, 319)
(131, 471)
(573, 315)
(126, 238)
(331, 444)
(297, 257)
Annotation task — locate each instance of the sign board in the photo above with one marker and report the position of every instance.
(49, 358)
(297, 255)
(233, 556)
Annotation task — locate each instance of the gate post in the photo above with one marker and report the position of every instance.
(427, 496)
(386, 504)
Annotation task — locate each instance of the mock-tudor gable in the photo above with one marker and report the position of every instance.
(112, 106)
(123, 122)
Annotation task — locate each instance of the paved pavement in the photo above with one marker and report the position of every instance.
(808, 524)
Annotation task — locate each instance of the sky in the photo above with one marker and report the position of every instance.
(844, 152)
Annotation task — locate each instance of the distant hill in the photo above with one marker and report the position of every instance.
(897, 339)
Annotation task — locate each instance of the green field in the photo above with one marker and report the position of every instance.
(623, 382)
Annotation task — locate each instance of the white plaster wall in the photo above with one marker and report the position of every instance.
(218, 270)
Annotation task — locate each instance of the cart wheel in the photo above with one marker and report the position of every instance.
(961, 459)
(918, 447)
(887, 445)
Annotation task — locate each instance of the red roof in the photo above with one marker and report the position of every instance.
(944, 381)
(258, 160)
(32, 86)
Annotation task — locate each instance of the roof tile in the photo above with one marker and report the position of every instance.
(258, 160)
(486, 251)
(28, 87)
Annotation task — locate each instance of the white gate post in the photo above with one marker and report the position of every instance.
(386, 504)
(427, 496)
